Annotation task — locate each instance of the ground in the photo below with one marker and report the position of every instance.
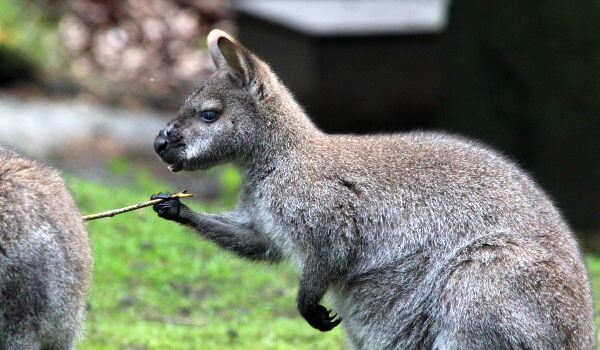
(159, 286)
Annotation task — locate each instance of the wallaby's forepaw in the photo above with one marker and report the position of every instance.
(320, 318)
(169, 209)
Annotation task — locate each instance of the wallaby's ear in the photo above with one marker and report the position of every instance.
(213, 46)
(240, 63)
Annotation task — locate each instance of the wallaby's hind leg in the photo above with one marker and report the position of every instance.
(496, 299)
(480, 312)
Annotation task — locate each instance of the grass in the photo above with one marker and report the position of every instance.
(593, 265)
(159, 286)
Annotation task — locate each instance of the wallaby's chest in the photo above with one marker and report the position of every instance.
(284, 236)
(272, 220)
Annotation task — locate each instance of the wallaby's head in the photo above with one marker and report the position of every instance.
(217, 122)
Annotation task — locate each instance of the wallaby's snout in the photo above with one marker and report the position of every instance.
(160, 143)
(167, 145)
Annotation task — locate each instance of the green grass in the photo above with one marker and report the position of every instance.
(159, 286)
(593, 265)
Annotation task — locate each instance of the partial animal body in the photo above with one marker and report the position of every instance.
(425, 240)
(45, 258)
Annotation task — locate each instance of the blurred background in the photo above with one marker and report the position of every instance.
(85, 85)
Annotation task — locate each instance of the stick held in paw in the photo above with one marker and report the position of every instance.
(111, 213)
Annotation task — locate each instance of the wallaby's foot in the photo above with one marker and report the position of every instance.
(170, 209)
(320, 318)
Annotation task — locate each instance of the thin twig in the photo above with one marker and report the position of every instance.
(111, 213)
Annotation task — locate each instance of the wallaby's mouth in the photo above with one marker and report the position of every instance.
(171, 156)
(175, 168)
(169, 152)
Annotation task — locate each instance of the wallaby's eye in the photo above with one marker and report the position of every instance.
(209, 116)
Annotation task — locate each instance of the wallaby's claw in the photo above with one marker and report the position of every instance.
(319, 317)
(168, 209)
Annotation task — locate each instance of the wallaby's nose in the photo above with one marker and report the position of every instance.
(160, 143)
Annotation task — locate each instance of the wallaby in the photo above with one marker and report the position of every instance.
(425, 240)
(45, 258)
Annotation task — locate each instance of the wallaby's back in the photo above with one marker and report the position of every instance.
(448, 244)
(45, 257)
(459, 248)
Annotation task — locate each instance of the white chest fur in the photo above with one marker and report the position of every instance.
(272, 226)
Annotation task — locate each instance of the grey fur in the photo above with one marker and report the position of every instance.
(45, 258)
(425, 240)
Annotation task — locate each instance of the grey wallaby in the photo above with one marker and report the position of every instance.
(424, 240)
(45, 258)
